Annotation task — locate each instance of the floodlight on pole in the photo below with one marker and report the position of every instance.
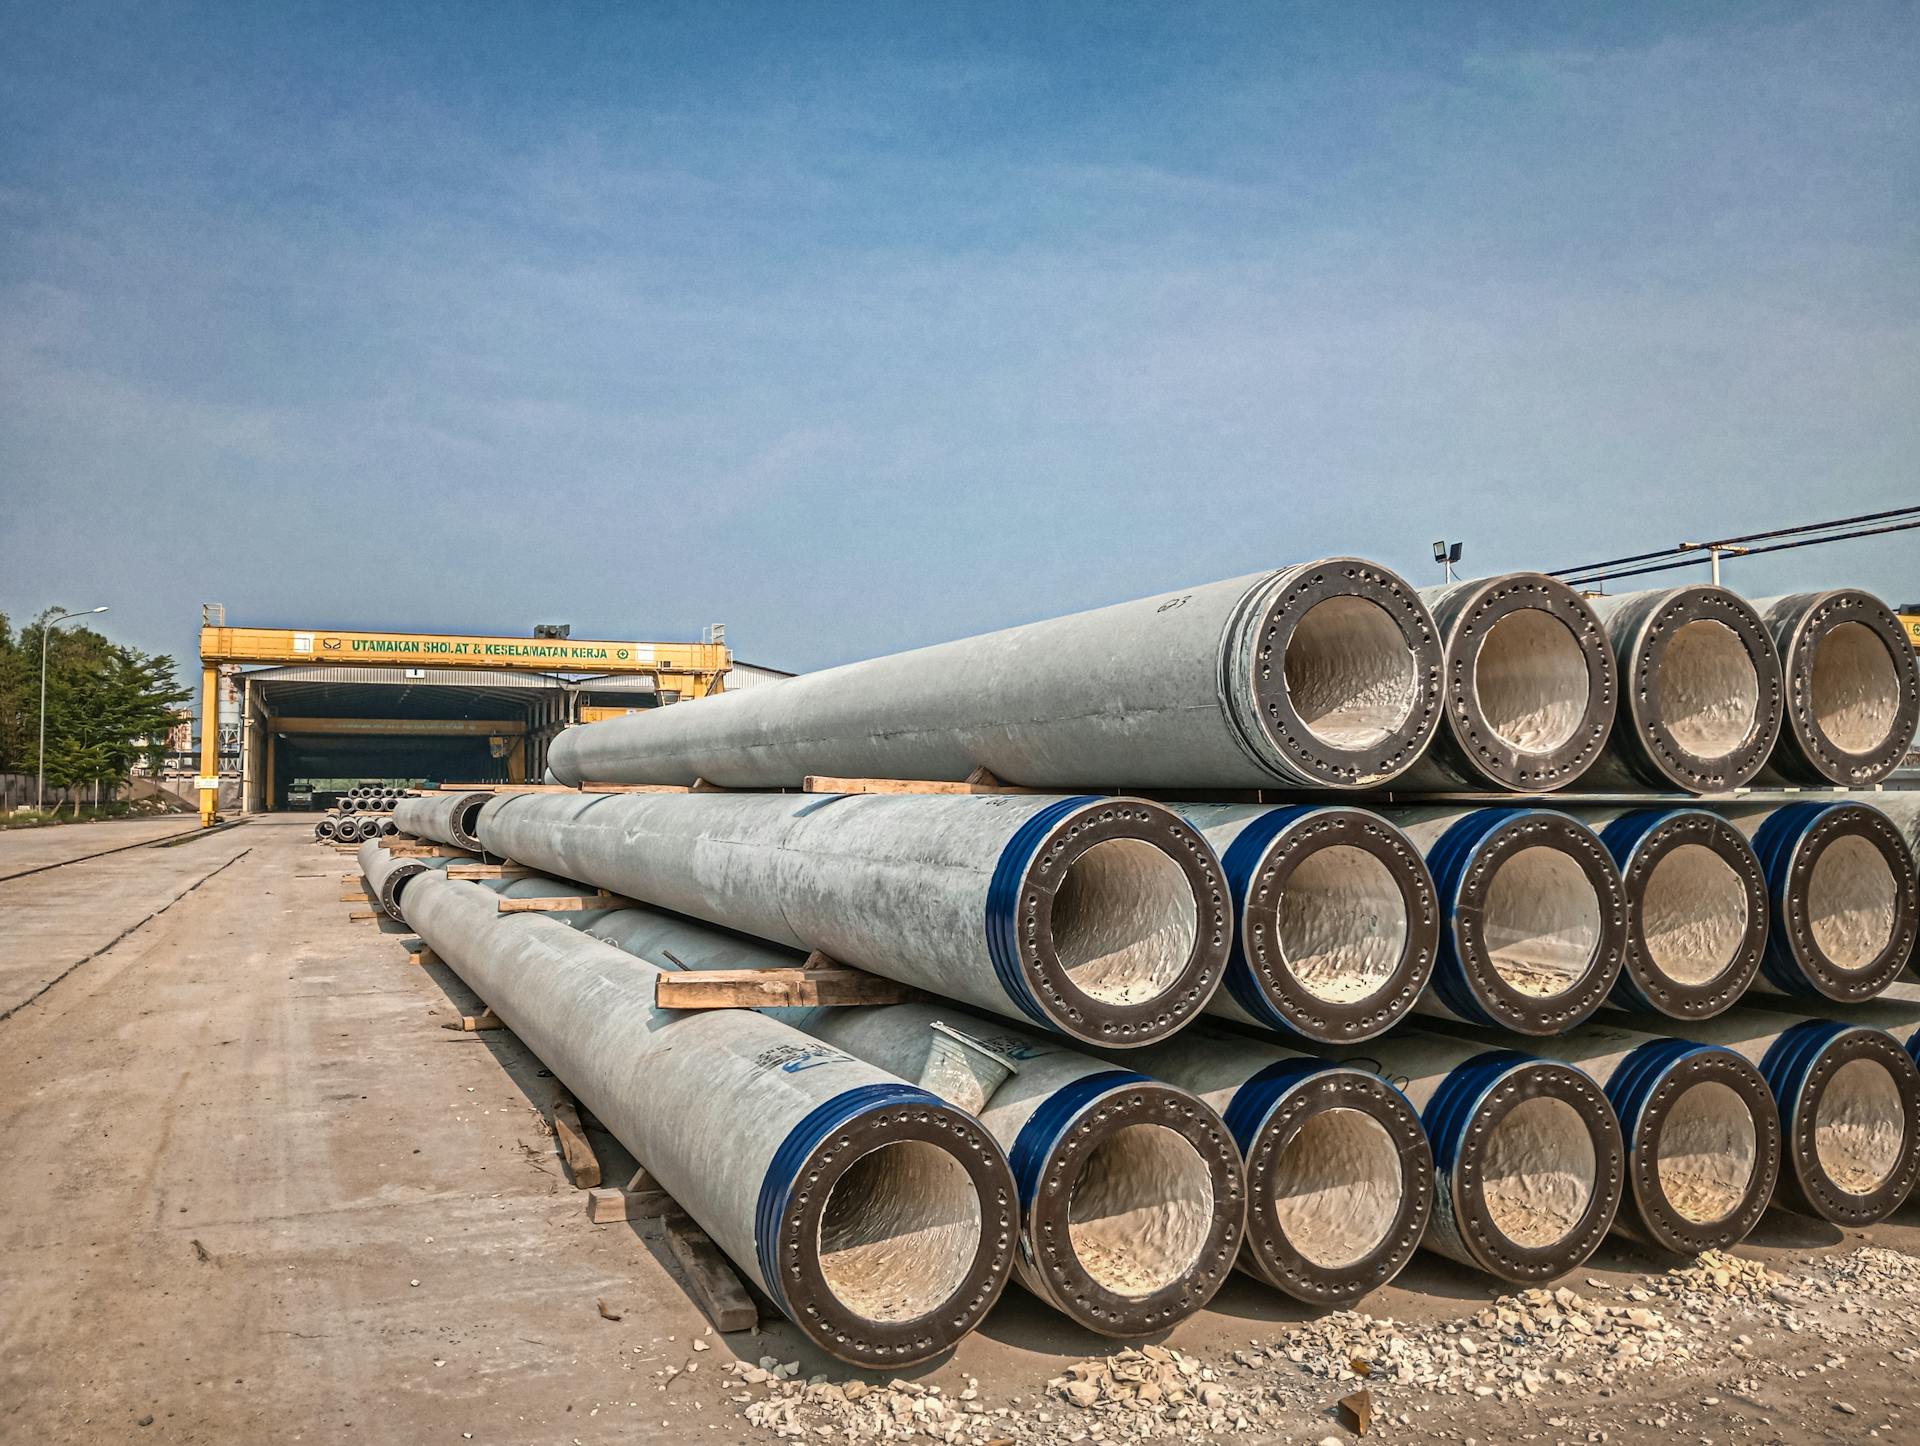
(1446, 555)
(46, 629)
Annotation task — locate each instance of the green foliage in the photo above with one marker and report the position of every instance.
(107, 705)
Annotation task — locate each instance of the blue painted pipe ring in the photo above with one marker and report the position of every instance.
(1051, 1165)
(1645, 1090)
(1279, 1114)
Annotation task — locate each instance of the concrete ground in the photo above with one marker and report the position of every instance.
(255, 1193)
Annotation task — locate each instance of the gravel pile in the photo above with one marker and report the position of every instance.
(1518, 1348)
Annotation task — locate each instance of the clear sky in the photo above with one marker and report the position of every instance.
(857, 327)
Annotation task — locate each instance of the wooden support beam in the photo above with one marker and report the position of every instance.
(354, 896)
(606, 1205)
(979, 781)
(582, 1163)
(427, 851)
(569, 905)
(710, 1278)
(485, 1019)
(424, 955)
(488, 871)
(366, 916)
(775, 989)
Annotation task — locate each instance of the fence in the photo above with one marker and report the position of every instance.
(17, 791)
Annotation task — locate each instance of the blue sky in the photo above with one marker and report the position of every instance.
(857, 327)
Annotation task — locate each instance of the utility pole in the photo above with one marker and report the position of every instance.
(46, 631)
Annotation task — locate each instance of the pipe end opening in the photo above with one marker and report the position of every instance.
(1141, 1210)
(899, 1232)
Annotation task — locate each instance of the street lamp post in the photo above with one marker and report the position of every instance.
(46, 630)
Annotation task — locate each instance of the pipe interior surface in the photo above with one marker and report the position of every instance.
(1707, 1153)
(1141, 1209)
(899, 1231)
(1852, 899)
(1707, 689)
(1349, 673)
(1862, 1128)
(1337, 1188)
(1530, 678)
(1855, 689)
(1542, 921)
(1540, 1172)
(1125, 920)
(1693, 914)
(1341, 923)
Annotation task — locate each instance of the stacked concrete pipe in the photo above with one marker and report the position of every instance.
(1338, 1177)
(877, 1216)
(1322, 675)
(1335, 919)
(1851, 683)
(1527, 1153)
(1132, 1196)
(1531, 686)
(448, 818)
(1697, 1121)
(1533, 922)
(1843, 897)
(1697, 908)
(1102, 918)
(1700, 691)
(1849, 1099)
(324, 829)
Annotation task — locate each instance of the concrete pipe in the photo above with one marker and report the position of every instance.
(1335, 920)
(1697, 909)
(324, 829)
(1848, 1097)
(388, 828)
(448, 818)
(347, 830)
(1102, 918)
(1530, 690)
(1533, 920)
(388, 874)
(878, 1217)
(1324, 675)
(1527, 1154)
(1698, 1123)
(1852, 687)
(1843, 896)
(1339, 1174)
(1700, 692)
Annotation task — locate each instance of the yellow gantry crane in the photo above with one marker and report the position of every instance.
(693, 670)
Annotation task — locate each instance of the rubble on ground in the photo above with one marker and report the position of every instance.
(1518, 1348)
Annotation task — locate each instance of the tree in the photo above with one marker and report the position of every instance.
(108, 706)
